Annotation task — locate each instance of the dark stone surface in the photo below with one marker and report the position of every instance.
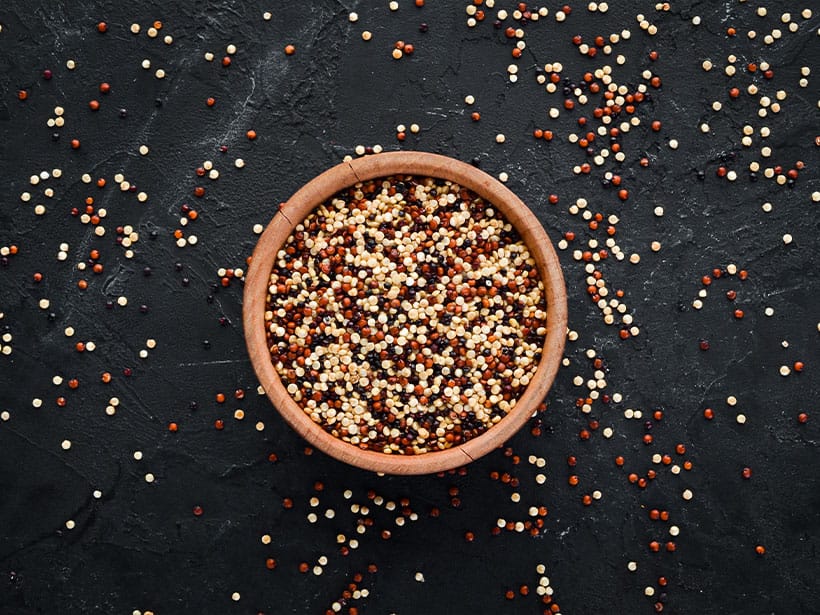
(141, 547)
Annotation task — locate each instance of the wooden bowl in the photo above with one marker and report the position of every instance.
(419, 164)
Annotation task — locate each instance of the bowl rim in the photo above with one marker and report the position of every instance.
(419, 164)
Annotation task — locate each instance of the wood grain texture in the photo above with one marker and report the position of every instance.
(419, 164)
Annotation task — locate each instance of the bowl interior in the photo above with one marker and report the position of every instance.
(419, 164)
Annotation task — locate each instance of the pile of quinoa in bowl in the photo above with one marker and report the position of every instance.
(405, 315)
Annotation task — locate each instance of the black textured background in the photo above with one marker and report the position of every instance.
(140, 547)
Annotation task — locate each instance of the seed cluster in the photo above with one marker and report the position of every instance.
(405, 315)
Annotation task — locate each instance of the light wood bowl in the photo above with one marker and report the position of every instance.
(419, 164)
